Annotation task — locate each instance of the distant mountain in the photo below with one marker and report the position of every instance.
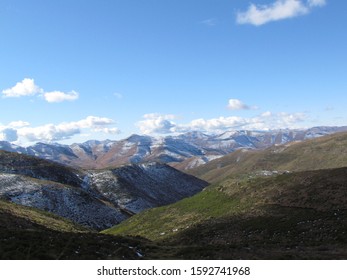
(95, 199)
(325, 152)
(184, 151)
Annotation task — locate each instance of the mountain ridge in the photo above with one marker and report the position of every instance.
(184, 151)
(96, 199)
(313, 154)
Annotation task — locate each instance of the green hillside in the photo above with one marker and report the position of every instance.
(277, 217)
(320, 153)
(14, 217)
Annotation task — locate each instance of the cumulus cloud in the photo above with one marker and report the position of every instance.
(17, 124)
(163, 124)
(215, 124)
(157, 124)
(270, 121)
(59, 96)
(279, 10)
(21, 130)
(48, 132)
(26, 87)
(236, 104)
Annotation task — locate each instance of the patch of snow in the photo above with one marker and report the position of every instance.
(213, 157)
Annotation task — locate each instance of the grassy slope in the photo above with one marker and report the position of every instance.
(320, 153)
(28, 233)
(13, 216)
(158, 223)
(277, 217)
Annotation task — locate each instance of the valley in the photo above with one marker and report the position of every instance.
(95, 199)
(284, 201)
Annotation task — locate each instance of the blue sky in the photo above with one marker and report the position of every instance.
(73, 70)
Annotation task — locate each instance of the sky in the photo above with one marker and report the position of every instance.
(74, 70)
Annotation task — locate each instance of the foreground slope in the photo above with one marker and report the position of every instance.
(298, 215)
(320, 153)
(28, 233)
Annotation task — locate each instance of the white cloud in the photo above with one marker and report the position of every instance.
(92, 122)
(213, 125)
(58, 96)
(266, 114)
(290, 119)
(157, 123)
(48, 133)
(162, 124)
(236, 104)
(279, 10)
(108, 130)
(270, 121)
(17, 124)
(66, 130)
(26, 87)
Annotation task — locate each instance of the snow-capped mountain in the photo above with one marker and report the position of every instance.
(184, 151)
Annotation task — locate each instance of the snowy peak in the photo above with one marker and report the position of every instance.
(184, 151)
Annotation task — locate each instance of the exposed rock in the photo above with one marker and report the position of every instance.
(97, 199)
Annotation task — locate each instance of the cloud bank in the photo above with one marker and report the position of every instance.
(163, 124)
(278, 10)
(22, 131)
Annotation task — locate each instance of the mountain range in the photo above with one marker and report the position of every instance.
(273, 195)
(185, 151)
(97, 199)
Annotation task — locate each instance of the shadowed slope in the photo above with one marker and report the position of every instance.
(256, 217)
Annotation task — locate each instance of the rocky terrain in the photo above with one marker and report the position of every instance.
(96, 199)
